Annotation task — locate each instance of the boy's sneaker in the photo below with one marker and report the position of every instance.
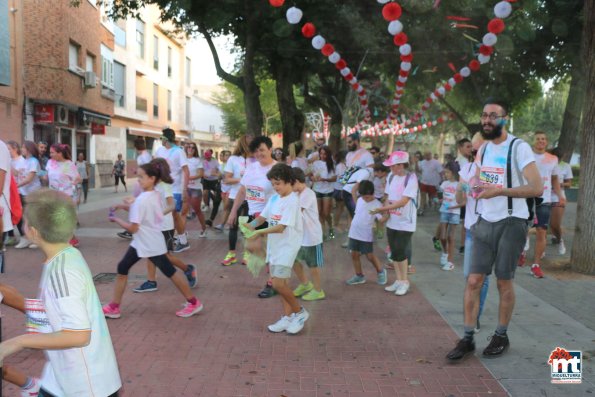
(23, 243)
(448, 267)
(147, 286)
(111, 312)
(181, 247)
(202, 234)
(125, 234)
(314, 295)
(33, 389)
(402, 288)
(219, 227)
(191, 275)
(280, 325)
(498, 345)
(267, 292)
(393, 287)
(190, 309)
(356, 280)
(229, 259)
(303, 289)
(381, 280)
(464, 347)
(437, 245)
(297, 321)
(536, 271)
(561, 248)
(443, 259)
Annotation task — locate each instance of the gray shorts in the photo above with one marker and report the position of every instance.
(498, 245)
(278, 271)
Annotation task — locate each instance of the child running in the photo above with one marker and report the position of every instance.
(145, 224)
(285, 235)
(167, 201)
(74, 334)
(450, 212)
(361, 234)
(311, 251)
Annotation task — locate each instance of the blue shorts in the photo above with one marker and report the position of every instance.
(542, 216)
(452, 219)
(179, 201)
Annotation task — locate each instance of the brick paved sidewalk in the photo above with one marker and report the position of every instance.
(360, 341)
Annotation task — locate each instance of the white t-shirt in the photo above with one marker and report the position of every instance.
(547, 164)
(176, 158)
(23, 168)
(225, 188)
(363, 222)
(493, 171)
(404, 218)
(258, 187)
(144, 158)
(358, 176)
(165, 191)
(379, 187)
(360, 158)
(462, 160)
(147, 212)
(211, 167)
(71, 303)
(300, 162)
(236, 166)
(339, 171)
(564, 173)
(5, 199)
(194, 164)
(319, 168)
(449, 199)
(282, 248)
(312, 226)
(430, 172)
(467, 175)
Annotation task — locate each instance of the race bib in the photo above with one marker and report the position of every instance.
(37, 319)
(492, 176)
(255, 194)
(275, 219)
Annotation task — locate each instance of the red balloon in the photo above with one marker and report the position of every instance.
(447, 87)
(308, 30)
(391, 11)
(429, 100)
(458, 78)
(349, 77)
(496, 26)
(407, 58)
(327, 50)
(276, 3)
(399, 84)
(474, 65)
(341, 64)
(486, 50)
(403, 73)
(355, 86)
(364, 102)
(437, 93)
(429, 123)
(400, 39)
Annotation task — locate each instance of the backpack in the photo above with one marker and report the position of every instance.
(407, 177)
(15, 206)
(344, 179)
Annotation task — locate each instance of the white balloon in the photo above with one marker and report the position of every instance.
(345, 71)
(402, 79)
(433, 96)
(452, 82)
(395, 27)
(490, 39)
(424, 126)
(406, 66)
(360, 89)
(465, 72)
(318, 42)
(334, 57)
(503, 9)
(405, 49)
(483, 58)
(294, 15)
(353, 80)
(442, 90)
(383, 1)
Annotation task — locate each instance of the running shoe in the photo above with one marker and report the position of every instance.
(267, 292)
(190, 309)
(202, 234)
(314, 295)
(381, 280)
(356, 280)
(229, 259)
(536, 271)
(191, 276)
(297, 321)
(448, 267)
(303, 289)
(281, 325)
(147, 286)
(181, 247)
(23, 243)
(125, 234)
(393, 287)
(111, 312)
(219, 227)
(402, 288)
(561, 248)
(443, 259)
(437, 244)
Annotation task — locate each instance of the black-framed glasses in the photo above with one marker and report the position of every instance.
(492, 116)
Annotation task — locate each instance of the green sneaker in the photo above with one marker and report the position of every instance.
(314, 295)
(303, 288)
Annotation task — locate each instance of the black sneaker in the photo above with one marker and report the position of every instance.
(498, 345)
(463, 348)
(267, 292)
(125, 235)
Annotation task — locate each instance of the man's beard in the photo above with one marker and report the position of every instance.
(494, 134)
(353, 148)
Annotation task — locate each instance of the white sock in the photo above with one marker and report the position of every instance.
(183, 239)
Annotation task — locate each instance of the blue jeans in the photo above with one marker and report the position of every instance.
(467, 266)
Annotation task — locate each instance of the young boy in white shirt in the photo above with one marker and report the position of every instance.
(311, 251)
(361, 236)
(75, 336)
(285, 234)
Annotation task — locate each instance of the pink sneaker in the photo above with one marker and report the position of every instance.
(190, 309)
(536, 270)
(111, 312)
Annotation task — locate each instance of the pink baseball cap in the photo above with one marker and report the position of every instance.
(397, 157)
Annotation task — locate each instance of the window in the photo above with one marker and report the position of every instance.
(120, 84)
(73, 56)
(188, 72)
(155, 53)
(120, 32)
(169, 105)
(107, 72)
(155, 101)
(188, 110)
(90, 63)
(140, 39)
(169, 59)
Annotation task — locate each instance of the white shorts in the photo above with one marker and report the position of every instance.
(278, 271)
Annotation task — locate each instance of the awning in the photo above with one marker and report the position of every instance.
(143, 132)
(86, 116)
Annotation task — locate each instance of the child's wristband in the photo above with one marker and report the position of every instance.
(253, 223)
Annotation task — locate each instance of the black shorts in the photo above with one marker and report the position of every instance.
(168, 235)
(324, 195)
(399, 242)
(338, 195)
(211, 184)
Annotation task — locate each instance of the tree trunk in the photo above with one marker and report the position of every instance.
(292, 118)
(572, 112)
(583, 249)
(254, 117)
